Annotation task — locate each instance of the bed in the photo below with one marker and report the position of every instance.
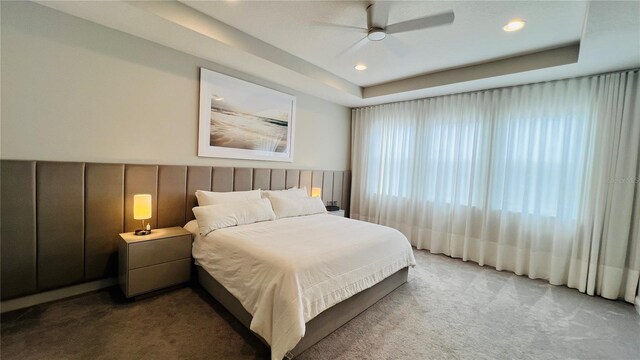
(294, 280)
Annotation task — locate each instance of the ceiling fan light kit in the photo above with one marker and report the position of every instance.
(376, 34)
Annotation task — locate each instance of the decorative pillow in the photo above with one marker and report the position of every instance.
(294, 192)
(296, 206)
(220, 216)
(212, 198)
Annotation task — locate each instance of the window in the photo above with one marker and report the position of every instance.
(516, 160)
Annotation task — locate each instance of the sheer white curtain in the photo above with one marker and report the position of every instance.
(538, 179)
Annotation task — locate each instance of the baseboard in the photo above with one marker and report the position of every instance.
(638, 304)
(57, 294)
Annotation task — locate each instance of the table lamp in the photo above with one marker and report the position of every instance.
(142, 211)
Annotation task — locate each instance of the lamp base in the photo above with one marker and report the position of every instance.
(142, 232)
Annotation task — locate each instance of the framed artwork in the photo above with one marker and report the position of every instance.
(241, 120)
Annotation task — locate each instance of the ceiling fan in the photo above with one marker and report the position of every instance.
(378, 28)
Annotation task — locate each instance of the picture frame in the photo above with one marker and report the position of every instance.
(242, 120)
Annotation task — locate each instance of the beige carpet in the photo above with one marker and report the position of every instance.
(448, 310)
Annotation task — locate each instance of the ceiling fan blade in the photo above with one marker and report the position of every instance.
(378, 14)
(396, 46)
(340, 27)
(354, 47)
(421, 23)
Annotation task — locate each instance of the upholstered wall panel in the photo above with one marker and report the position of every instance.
(278, 179)
(104, 214)
(172, 195)
(18, 228)
(222, 180)
(346, 192)
(337, 187)
(140, 179)
(60, 221)
(198, 178)
(327, 186)
(60, 224)
(262, 179)
(293, 178)
(316, 179)
(305, 180)
(242, 179)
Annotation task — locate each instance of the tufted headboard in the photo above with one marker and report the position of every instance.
(60, 220)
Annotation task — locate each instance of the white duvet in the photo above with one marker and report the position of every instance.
(287, 271)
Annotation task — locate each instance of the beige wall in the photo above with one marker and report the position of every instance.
(77, 91)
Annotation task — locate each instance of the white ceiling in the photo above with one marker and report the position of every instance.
(284, 42)
(475, 36)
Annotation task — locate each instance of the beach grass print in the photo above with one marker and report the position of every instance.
(243, 120)
(233, 128)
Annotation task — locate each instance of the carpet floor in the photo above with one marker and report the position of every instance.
(449, 309)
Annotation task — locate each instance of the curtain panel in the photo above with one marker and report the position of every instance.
(539, 179)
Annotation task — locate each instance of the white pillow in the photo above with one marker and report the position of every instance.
(192, 227)
(294, 192)
(292, 206)
(220, 216)
(212, 198)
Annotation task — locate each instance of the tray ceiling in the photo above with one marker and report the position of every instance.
(475, 36)
(288, 43)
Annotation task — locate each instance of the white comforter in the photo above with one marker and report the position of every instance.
(287, 271)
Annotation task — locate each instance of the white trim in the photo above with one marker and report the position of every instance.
(57, 294)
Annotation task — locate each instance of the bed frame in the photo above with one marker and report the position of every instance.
(322, 325)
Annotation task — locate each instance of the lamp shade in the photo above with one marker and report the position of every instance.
(142, 206)
(316, 192)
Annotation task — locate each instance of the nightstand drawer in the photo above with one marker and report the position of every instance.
(147, 253)
(155, 277)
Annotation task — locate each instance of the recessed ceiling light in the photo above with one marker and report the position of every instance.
(514, 25)
(360, 67)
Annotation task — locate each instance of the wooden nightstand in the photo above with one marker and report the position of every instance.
(155, 261)
(337, 212)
